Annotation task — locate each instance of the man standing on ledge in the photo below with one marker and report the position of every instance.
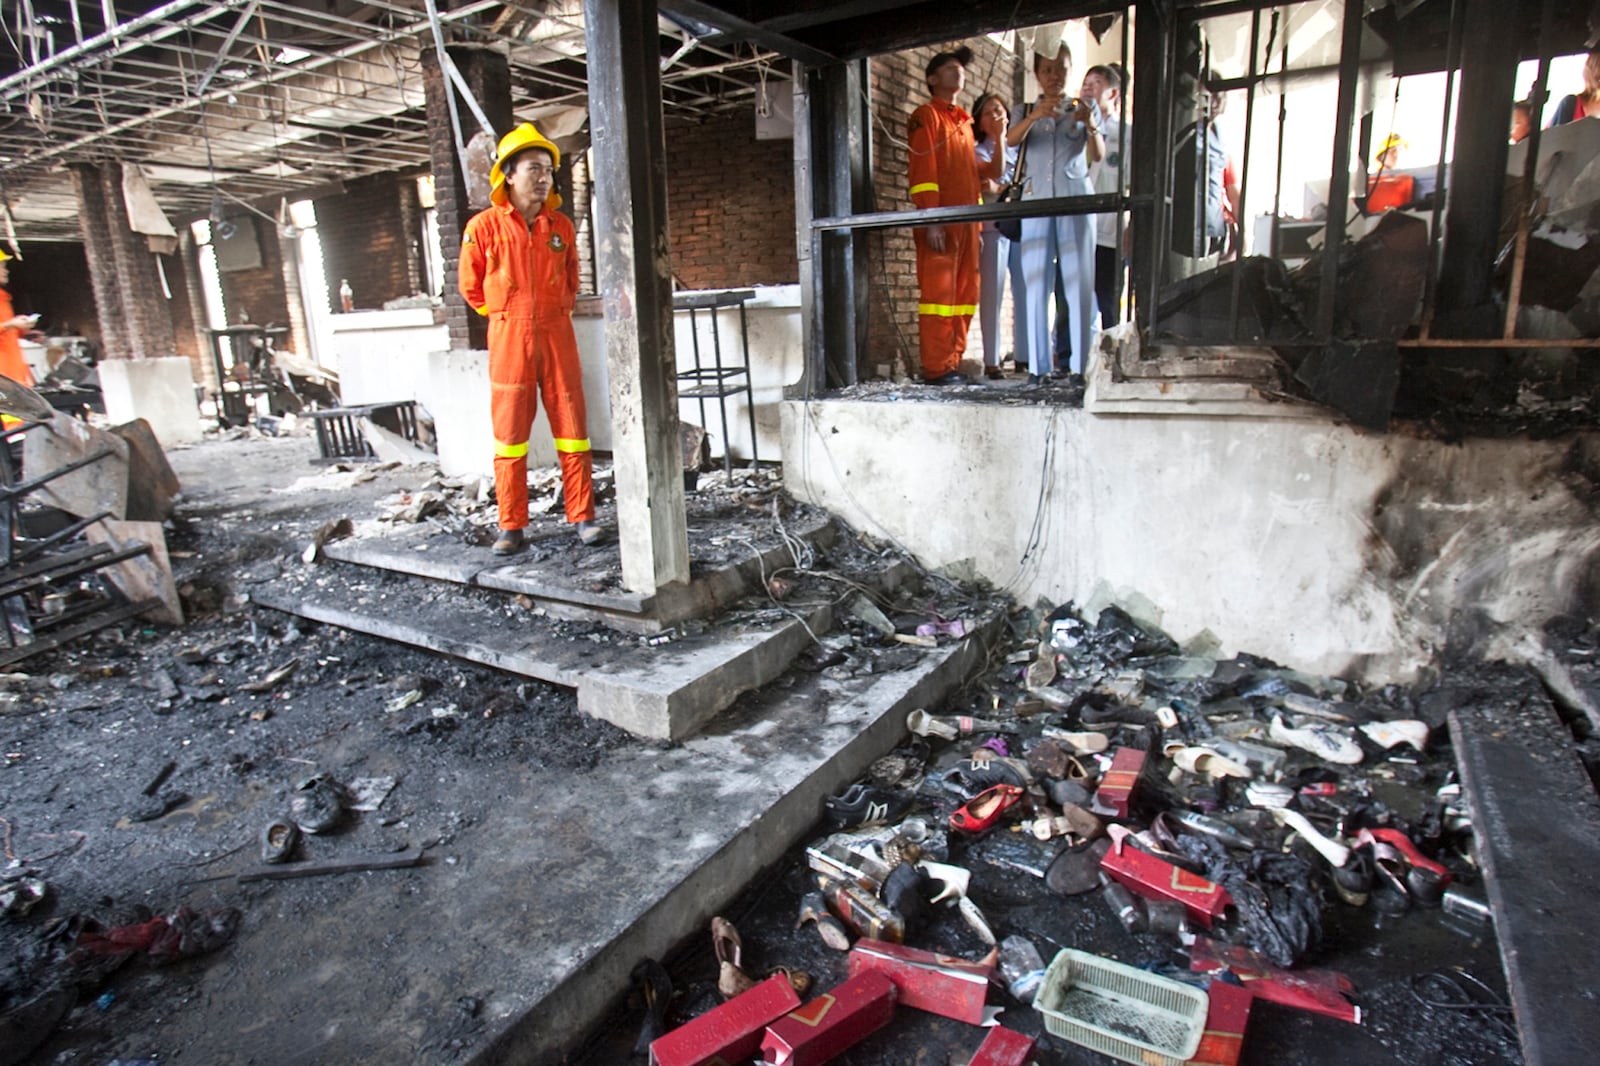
(519, 267)
(944, 173)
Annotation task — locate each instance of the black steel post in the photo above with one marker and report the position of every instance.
(1339, 180)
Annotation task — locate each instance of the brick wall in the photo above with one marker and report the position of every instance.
(487, 75)
(95, 223)
(899, 88)
(256, 294)
(371, 235)
(730, 204)
(53, 281)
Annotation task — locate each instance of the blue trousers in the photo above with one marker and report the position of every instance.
(994, 251)
(1065, 244)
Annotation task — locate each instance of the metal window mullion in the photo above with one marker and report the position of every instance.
(1339, 180)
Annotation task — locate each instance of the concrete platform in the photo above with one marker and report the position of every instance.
(549, 577)
(664, 692)
(1537, 821)
(536, 912)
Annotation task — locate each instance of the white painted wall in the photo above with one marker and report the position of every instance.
(160, 391)
(382, 356)
(399, 355)
(1305, 541)
(773, 324)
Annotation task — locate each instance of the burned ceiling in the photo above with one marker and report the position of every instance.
(251, 100)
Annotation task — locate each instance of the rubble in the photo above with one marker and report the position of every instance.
(1228, 876)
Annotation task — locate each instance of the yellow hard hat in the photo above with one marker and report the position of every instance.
(1394, 140)
(4, 255)
(524, 136)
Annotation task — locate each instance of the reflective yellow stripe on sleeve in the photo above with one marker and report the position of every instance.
(927, 186)
(484, 311)
(510, 451)
(572, 444)
(947, 310)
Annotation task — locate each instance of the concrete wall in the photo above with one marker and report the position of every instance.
(401, 355)
(382, 355)
(775, 360)
(160, 391)
(1298, 539)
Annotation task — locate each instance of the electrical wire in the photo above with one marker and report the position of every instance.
(1457, 990)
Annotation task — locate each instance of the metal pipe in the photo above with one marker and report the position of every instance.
(1430, 283)
(225, 47)
(1244, 171)
(1339, 181)
(272, 78)
(111, 37)
(1048, 208)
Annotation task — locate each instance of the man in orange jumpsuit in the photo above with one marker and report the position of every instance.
(519, 267)
(12, 326)
(944, 172)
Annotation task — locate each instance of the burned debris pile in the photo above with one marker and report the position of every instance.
(1137, 843)
(81, 520)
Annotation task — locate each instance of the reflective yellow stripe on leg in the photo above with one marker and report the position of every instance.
(569, 444)
(510, 451)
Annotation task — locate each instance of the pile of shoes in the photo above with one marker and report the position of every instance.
(1220, 806)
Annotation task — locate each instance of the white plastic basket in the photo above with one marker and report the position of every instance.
(1121, 1011)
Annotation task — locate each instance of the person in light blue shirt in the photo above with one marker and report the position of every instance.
(996, 255)
(1062, 139)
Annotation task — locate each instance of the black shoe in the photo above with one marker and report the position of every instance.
(510, 542)
(955, 377)
(994, 373)
(655, 987)
(278, 839)
(862, 804)
(1035, 379)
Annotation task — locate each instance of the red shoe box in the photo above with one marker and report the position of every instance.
(1003, 1047)
(1154, 878)
(1225, 1022)
(1116, 787)
(727, 1034)
(939, 984)
(832, 1023)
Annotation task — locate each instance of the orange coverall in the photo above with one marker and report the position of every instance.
(524, 277)
(12, 363)
(944, 173)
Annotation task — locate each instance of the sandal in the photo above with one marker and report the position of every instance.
(731, 980)
(985, 810)
(799, 980)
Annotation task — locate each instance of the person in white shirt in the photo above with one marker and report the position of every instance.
(1103, 85)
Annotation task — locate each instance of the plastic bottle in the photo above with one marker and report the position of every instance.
(347, 296)
(1021, 966)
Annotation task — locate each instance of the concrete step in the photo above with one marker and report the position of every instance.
(549, 577)
(665, 691)
(1536, 820)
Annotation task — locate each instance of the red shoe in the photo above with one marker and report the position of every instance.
(985, 809)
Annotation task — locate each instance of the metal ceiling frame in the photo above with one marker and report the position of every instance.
(270, 98)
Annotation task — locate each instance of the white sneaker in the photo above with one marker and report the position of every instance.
(1327, 744)
(1392, 734)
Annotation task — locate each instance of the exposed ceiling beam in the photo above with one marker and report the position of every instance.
(740, 29)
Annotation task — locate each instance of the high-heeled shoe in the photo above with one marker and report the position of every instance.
(985, 809)
(731, 978)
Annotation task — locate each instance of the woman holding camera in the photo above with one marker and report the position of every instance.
(1062, 140)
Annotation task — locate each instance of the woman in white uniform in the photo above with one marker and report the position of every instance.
(1063, 140)
(996, 255)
